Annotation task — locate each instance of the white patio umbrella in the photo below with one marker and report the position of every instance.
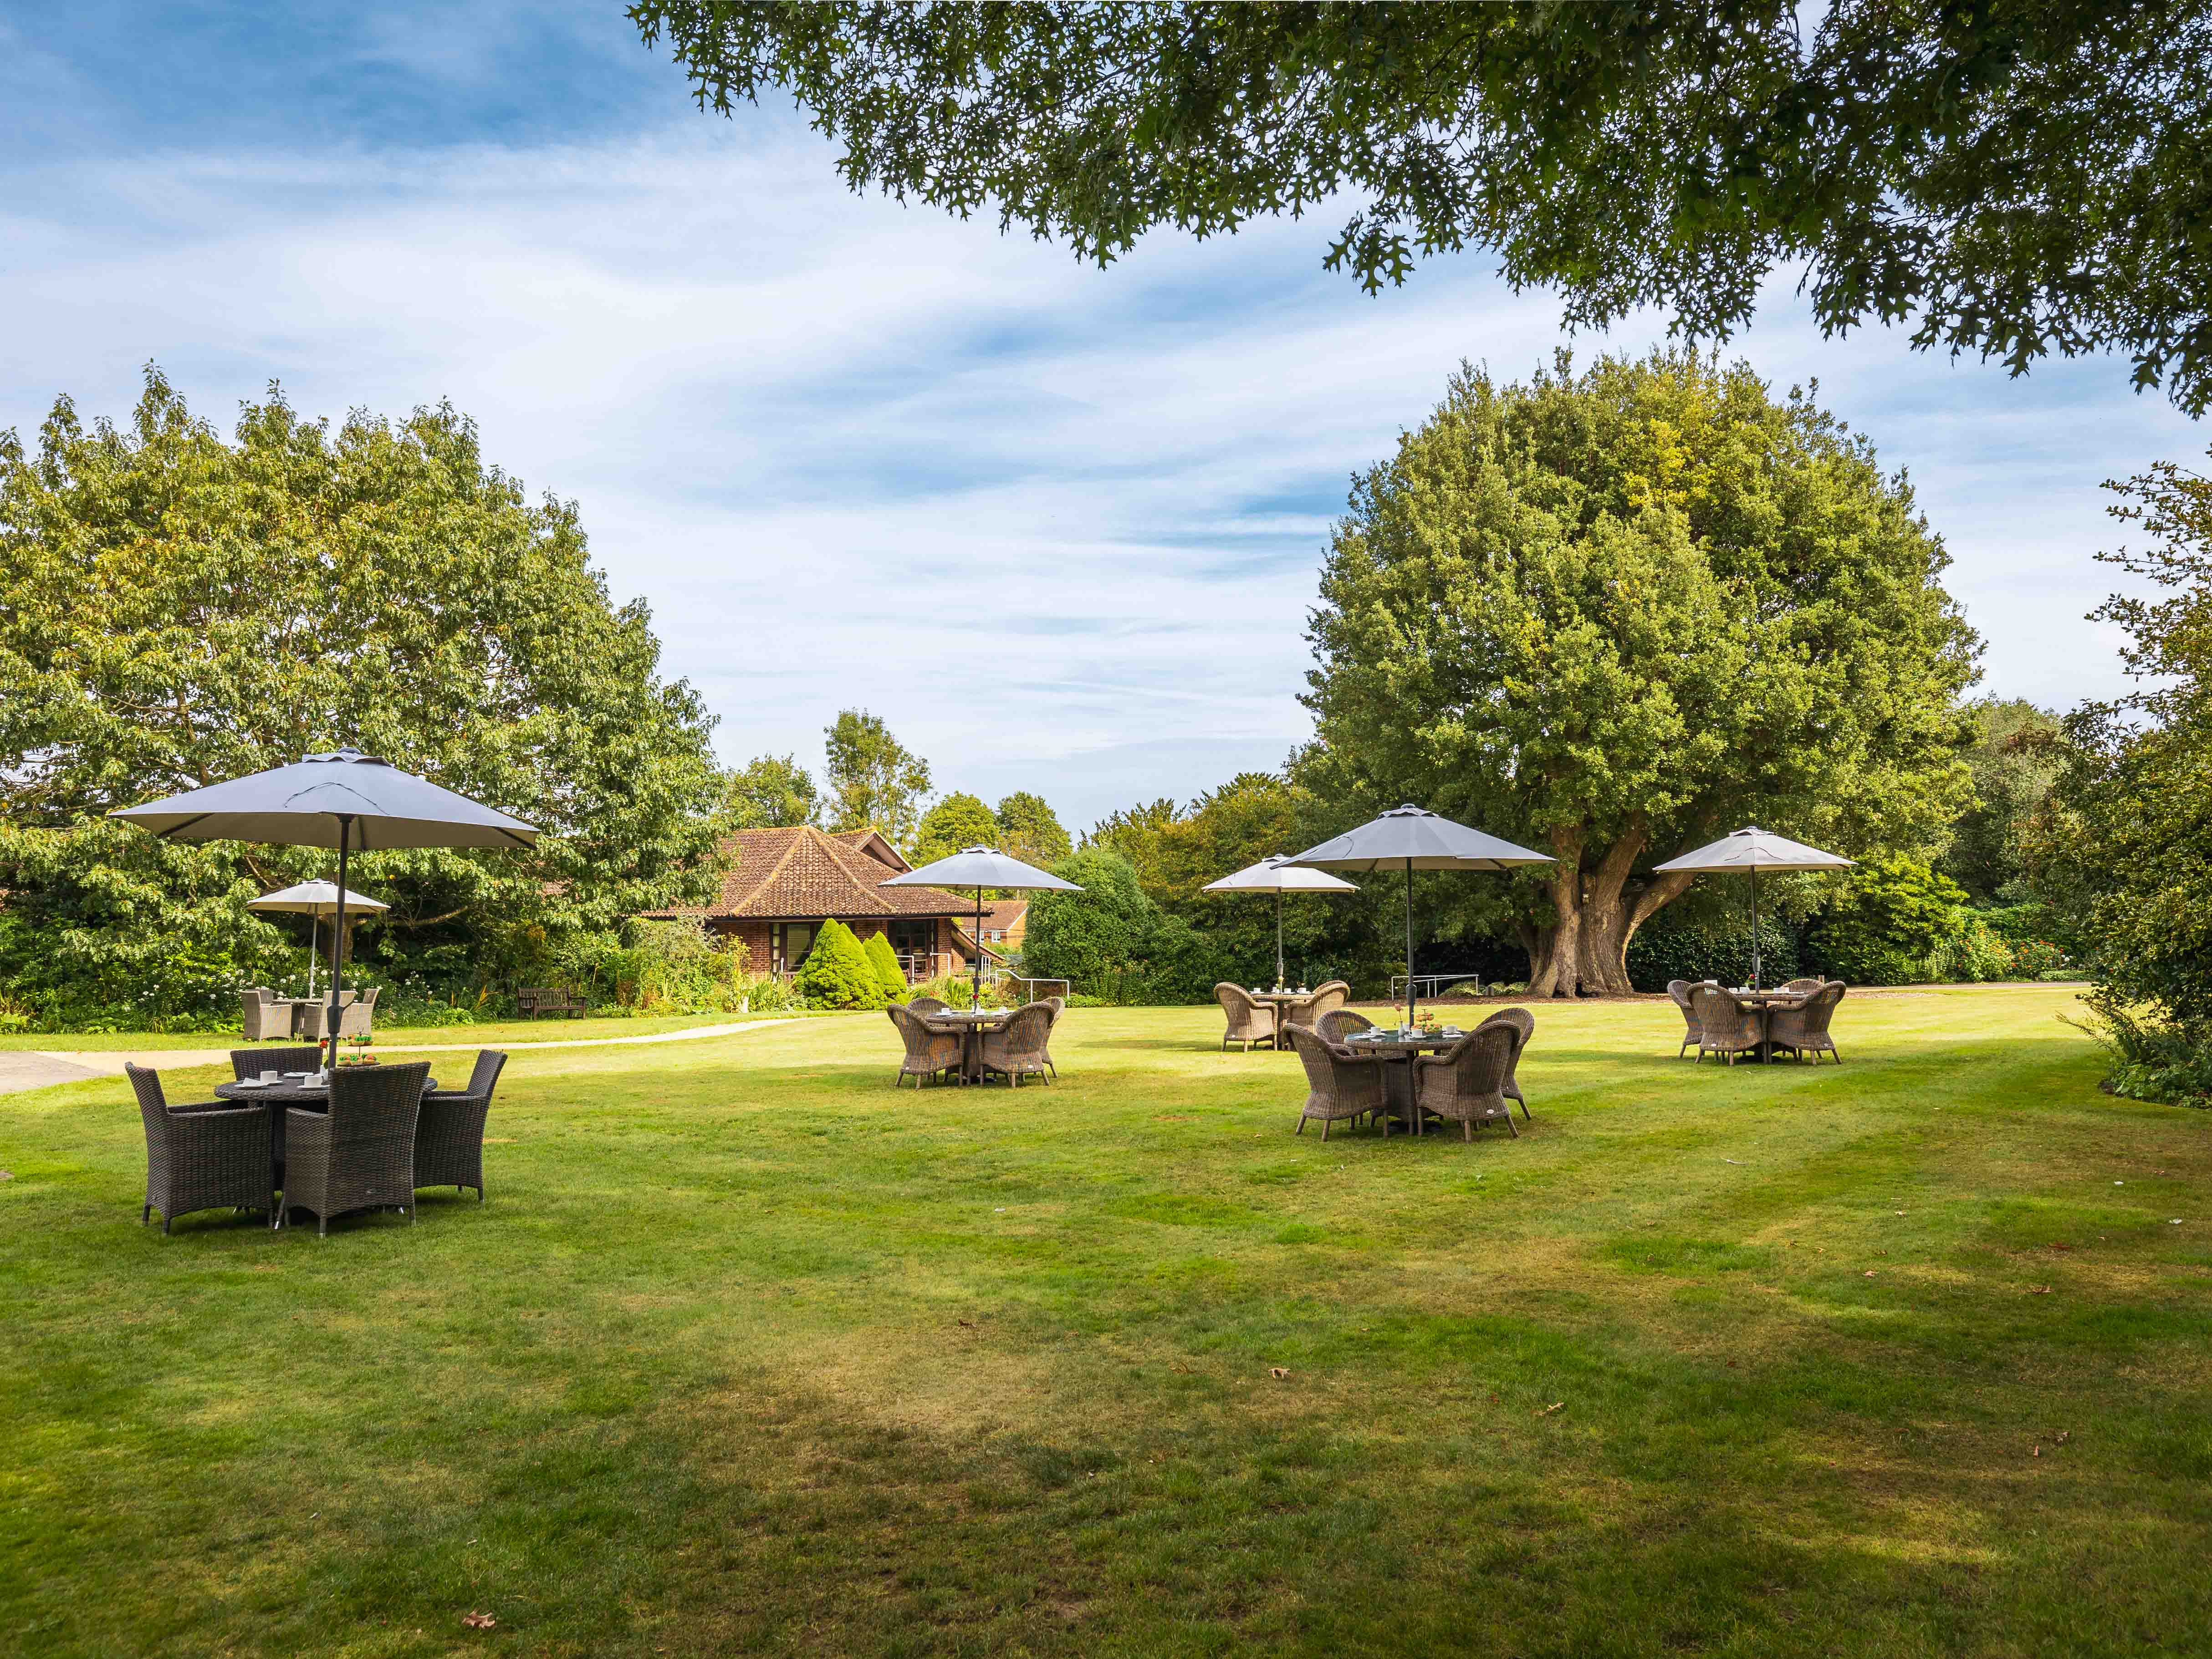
(346, 799)
(315, 900)
(1417, 839)
(1751, 850)
(1276, 874)
(980, 867)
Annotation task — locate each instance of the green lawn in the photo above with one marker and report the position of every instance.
(749, 1352)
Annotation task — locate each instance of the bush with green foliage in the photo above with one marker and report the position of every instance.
(1111, 940)
(1893, 921)
(884, 962)
(1714, 946)
(837, 973)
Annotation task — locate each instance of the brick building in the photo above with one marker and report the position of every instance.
(780, 885)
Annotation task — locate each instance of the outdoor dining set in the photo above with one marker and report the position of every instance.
(973, 1045)
(1792, 1019)
(285, 1136)
(269, 1016)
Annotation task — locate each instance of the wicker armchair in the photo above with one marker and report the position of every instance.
(929, 1053)
(926, 1004)
(1340, 1085)
(356, 1018)
(1725, 1026)
(1250, 1020)
(1311, 1010)
(1803, 987)
(1016, 1049)
(1059, 1006)
(1523, 1024)
(312, 1020)
(1803, 1028)
(251, 1063)
(1340, 1023)
(202, 1156)
(264, 1019)
(449, 1134)
(1465, 1082)
(359, 1155)
(1680, 990)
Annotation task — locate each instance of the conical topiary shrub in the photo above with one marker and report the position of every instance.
(837, 973)
(884, 961)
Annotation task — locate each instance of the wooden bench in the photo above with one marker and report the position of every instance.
(531, 1000)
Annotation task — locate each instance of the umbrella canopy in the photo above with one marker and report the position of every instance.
(1276, 874)
(315, 899)
(1414, 838)
(980, 867)
(1751, 850)
(344, 798)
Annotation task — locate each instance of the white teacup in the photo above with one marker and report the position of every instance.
(269, 1077)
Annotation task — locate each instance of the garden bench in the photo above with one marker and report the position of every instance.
(531, 1000)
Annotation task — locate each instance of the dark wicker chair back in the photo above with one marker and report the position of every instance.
(927, 1004)
(1725, 1026)
(359, 1155)
(1340, 1085)
(1340, 1023)
(1522, 1024)
(1801, 987)
(1018, 1048)
(1466, 1082)
(449, 1134)
(253, 1062)
(202, 1156)
(1250, 1020)
(1803, 1029)
(928, 1053)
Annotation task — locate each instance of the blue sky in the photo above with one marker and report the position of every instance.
(1060, 527)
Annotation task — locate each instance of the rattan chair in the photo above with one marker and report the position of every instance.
(1803, 987)
(356, 1018)
(1680, 990)
(1016, 1049)
(1340, 1023)
(1523, 1024)
(1465, 1083)
(1725, 1026)
(929, 1053)
(449, 1134)
(1340, 1085)
(251, 1063)
(360, 1154)
(312, 1020)
(262, 1015)
(1803, 1028)
(1250, 1020)
(1311, 1010)
(1059, 1006)
(927, 1004)
(202, 1156)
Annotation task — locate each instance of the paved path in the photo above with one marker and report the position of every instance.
(33, 1068)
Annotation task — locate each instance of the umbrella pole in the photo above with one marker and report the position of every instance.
(314, 949)
(338, 937)
(1409, 944)
(975, 995)
(1279, 938)
(1754, 927)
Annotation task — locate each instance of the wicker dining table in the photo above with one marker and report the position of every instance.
(969, 1025)
(290, 1089)
(1401, 1046)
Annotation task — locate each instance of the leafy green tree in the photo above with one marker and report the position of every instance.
(1030, 831)
(1615, 614)
(884, 961)
(180, 609)
(2019, 176)
(955, 821)
(1891, 922)
(2124, 838)
(837, 973)
(1111, 940)
(875, 781)
(2014, 761)
(772, 792)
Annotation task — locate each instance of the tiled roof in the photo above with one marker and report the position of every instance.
(1004, 913)
(803, 872)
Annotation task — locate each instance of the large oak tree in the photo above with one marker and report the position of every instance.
(2014, 177)
(1614, 614)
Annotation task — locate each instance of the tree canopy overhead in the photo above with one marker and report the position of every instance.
(2013, 177)
(1615, 614)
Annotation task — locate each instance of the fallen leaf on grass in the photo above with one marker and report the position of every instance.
(478, 1620)
(2057, 1245)
(1555, 1406)
(2064, 1435)
(1738, 1161)
(970, 1323)
(1869, 1273)
(2035, 1451)
(1277, 1372)
(2039, 1290)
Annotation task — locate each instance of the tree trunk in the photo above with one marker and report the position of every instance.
(1585, 952)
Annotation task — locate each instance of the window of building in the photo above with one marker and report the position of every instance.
(791, 941)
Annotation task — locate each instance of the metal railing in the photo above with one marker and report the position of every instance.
(1430, 986)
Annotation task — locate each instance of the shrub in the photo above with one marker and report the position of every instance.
(884, 961)
(837, 973)
(1669, 947)
(2153, 1058)
(1895, 921)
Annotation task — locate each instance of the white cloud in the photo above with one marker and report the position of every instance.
(1059, 525)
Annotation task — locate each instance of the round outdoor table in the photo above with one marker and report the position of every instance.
(971, 1025)
(285, 1091)
(1398, 1078)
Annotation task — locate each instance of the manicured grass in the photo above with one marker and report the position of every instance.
(491, 1034)
(749, 1352)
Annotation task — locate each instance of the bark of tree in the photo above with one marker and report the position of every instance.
(1583, 951)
